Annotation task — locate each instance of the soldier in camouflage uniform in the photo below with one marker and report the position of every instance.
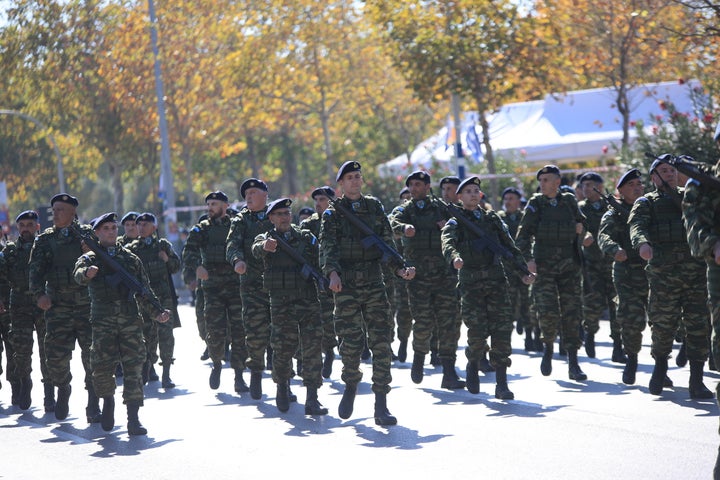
(65, 303)
(117, 327)
(519, 292)
(433, 293)
(628, 270)
(553, 220)
(677, 280)
(600, 294)
(25, 316)
(204, 257)
(160, 261)
(130, 228)
(6, 342)
(485, 305)
(361, 304)
(322, 196)
(294, 306)
(398, 296)
(248, 224)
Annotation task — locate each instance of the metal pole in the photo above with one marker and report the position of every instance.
(167, 186)
(39, 124)
(459, 159)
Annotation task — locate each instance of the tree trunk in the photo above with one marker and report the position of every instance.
(116, 185)
(492, 192)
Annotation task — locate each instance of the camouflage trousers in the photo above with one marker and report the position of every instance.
(256, 319)
(558, 302)
(117, 335)
(486, 312)
(434, 306)
(519, 295)
(713, 284)
(679, 292)
(224, 318)
(159, 335)
(26, 320)
(363, 311)
(6, 344)
(400, 306)
(598, 296)
(632, 292)
(200, 313)
(296, 326)
(64, 325)
(329, 338)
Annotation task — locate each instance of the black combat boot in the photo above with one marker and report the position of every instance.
(15, 387)
(434, 358)
(519, 326)
(562, 351)
(450, 379)
(291, 395)
(215, 375)
(269, 358)
(417, 371)
(92, 411)
(346, 403)
(312, 404)
(25, 399)
(119, 370)
(546, 363)
(134, 426)
(49, 401)
(529, 342)
(697, 388)
(659, 373)
(166, 382)
(205, 355)
(328, 363)
(628, 376)
(256, 384)
(402, 350)
(281, 397)
(590, 344)
(711, 362)
(484, 364)
(383, 417)
(501, 387)
(539, 344)
(145, 372)
(574, 371)
(63, 398)
(618, 355)
(472, 380)
(152, 374)
(107, 420)
(681, 359)
(240, 385)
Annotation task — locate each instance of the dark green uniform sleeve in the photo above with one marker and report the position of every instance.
(607, 235)
(639, 221)
(449, 239)
(528, 227)
(700, 215)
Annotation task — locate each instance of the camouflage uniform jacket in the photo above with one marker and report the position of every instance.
(244, 227)
(424, 215)
(701, 214)
(14, 267)
(147, 250)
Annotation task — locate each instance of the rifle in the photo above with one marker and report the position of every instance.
(175, 302)
(483, 240)
(306, 270)
(371, 239)
(613, 202)
(120, 276)
(701, 172)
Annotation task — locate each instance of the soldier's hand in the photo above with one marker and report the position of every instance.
(240, 267)
(532, 266)
(579, 228)
(646, 251)
(409, 231)
(335, 282)
(529, 279)
(458, 263)
(588, 240)
(163, 317)
(620, 255)
(83, 247)
(270, 245)
(44, 302)
(716, 252)
(407, 273)
(91, 272)
(163, 256)
(201, 273)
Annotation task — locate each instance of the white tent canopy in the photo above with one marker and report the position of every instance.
(570, 128)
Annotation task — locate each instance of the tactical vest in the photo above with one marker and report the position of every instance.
(102, 292)
(593, 217)
(18, 255)
(253, 227)
(155, 268)
(512, 220)
(350, 238)
(282, 273)
(213, 252)
(623, 237)
(472, 256)
(312, 223)
(667, 226)
(556, 228)
(426, 242)
(65, 252)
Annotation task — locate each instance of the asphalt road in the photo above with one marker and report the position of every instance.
(555, 429)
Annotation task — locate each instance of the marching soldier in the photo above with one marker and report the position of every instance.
(128, 222)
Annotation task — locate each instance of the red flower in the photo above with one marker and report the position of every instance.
(658, 118)
(681, 81)
(654, 130)
(604, 149)
(633, 123)
(708, 118)
(662, 104)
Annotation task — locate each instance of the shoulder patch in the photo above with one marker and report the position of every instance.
(452, 221)
(642, 199)
(327, 213)
(399, 209)
(196, 228)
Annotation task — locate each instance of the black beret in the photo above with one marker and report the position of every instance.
(548, 169)
(27, 215)
(324, 190)
(252, 183)
(347, 167)
(511, 190)
(660, 159)
(716, 137)
(452, 180)
(306, 211)
(404, 191)
(104, 218)
(591, 177)
(129, 216)
(466, 182)
(64, 198)
(218, 195)
(629, 175)
(146, 217)
(278, 204)
(418, 175)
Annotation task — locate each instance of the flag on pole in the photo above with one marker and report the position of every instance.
(473, 143)
(451, 135)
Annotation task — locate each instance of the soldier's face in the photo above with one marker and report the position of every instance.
(63, 214)
(549, 184)
(418, 189)
(351, 184)
(588, 190)
(448, 192)
(281, 219)
(27, 229)
(146, 229)
(255, 198)
(511, 203)
(665, 172)
(131, 229)
(216, 208)
(107, 233)
(321, 203)
(470, 197)
(632, 190)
